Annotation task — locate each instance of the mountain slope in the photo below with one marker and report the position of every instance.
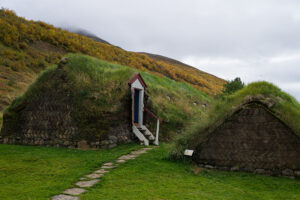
(167, 60)
(87, 34)
(187, 68)
(28, 47)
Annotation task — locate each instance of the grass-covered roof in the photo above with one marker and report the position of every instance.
(281, 105)
(96, 86)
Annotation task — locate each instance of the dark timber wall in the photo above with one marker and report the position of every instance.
(252, 139)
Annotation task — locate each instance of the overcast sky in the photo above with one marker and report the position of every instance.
(254, 40)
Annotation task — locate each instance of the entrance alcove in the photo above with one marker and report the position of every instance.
(138, 87)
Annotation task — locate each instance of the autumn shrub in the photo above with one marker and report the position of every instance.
(6, 62)
(23, 45)
(18, 66)
(11, 81)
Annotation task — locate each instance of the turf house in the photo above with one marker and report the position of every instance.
(81, 107)
(254, 130)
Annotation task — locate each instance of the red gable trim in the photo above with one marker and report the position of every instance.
(137, 76)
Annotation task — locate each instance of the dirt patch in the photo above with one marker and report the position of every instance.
(47, 48)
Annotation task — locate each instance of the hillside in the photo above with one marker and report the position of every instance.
(94, 96)
(171, 61)
(281, 105)
(28, 47)
(87, 34)
(187, 68)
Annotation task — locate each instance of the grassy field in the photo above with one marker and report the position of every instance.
(152, 177)
(39, 172)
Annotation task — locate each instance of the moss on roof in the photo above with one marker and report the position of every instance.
(281, 105)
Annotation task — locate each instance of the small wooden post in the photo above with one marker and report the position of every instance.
(157, 133)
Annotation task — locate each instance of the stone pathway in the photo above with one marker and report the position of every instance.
(93, 178)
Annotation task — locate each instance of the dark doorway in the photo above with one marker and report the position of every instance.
(136, 105)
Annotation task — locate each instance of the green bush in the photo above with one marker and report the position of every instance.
(233, 86)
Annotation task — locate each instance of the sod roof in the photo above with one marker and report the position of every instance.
(280, 104)
(98, 87)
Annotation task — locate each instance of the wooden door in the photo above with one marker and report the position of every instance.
(136, 105)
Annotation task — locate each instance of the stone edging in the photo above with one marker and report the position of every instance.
(93, 178)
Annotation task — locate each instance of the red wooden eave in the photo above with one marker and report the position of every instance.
(137, 76)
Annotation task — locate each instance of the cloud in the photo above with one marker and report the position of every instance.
(255, 40)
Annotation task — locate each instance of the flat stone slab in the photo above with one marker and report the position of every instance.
(101, 171)
(147, 148)
(127, 157)
(94, 175)
(83, 178)
(108, 164)
(121, 161)
(64, 197)
(107, 167)
(139, 152)
(87, 183)
(75, 191)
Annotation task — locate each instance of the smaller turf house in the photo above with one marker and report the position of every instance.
(255, 130)
(85, 103)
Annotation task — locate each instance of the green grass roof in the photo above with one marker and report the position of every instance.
(281, 104)
(99, 87)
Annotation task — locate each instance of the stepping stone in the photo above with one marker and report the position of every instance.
(107, 167)
(108, 164)
(138, 152)
(83, 178)
(101, 171)
(87, 183)
(94, 175)
(121, 161)
(127, 157)
(64, 197)
(147, 148)
(74, 191)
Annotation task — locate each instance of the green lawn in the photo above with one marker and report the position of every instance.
(28, 172)
(39, 172)
(152, 177)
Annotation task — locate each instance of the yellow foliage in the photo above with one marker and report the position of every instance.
(21, 34)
